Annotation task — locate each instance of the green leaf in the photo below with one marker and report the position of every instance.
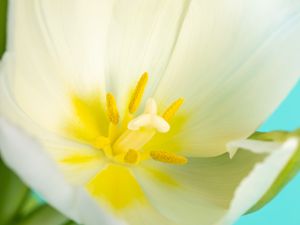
(287, 174)
(12, 194)
(44, 215)
(279, 136)
(31, 203)
(70, 223)
(3, 15)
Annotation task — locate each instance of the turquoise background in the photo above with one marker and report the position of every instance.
(285, 208)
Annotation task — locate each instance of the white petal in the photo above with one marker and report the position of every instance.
(142, 36)
(234, 62)
(53, 143)
(259, 181)
(91, 214)
(255, 146)
(26, 157)
(55, 48)
(66, 37)
(203, 189)
(88, 161)
(198, 191)
(145, 214)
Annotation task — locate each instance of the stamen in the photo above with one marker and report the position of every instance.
(138, 93)
(131, 156)
(112, 109)
(168, 157)
(172, 109)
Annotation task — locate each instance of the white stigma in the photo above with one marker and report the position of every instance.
(150, 119)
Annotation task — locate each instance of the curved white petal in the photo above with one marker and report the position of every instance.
(25, 156)
(213, 53)
(78, 163)
(233, 63)
(145, 214)
(198, 191)
(91, 214)
(209, 190)
(60, 40)
(142, 36)
(55, 48)
(259, 181)
(255, 146)
(54, 144)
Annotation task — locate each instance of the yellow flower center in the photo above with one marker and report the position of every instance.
(119, 145)
(124, 142)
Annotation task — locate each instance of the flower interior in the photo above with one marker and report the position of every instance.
(121, 144)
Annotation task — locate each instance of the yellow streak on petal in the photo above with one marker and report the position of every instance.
(75, 159)
(116, 186)
(112, 109)
(89, 121)
(172, 109)
(138, 93)
(131, 156)
(168, 157)
(162, 176)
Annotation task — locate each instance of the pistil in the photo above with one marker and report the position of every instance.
(125, 142)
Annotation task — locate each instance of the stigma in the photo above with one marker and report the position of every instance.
(150, 119)
(127, 136)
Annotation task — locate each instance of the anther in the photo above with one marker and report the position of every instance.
(172, 109)
(131, 156)
(138, 93)
(168, 157)
(112, 109)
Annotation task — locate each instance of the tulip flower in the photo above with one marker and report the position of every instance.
(141, 112)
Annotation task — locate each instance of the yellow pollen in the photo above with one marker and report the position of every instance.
(131, 156)
(168, 157)
(138, 93)
(172, 109)
(112, 109)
